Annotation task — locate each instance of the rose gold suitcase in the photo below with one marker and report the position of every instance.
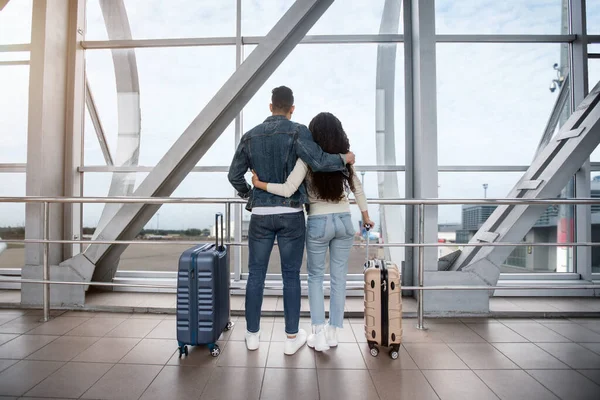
(383, 305)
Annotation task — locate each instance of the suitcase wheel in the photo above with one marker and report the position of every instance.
(215, 350)
(183, 350)
(229, 326)
(374, 350)
(394, 354)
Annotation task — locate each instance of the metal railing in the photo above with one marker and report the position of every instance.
(421, 245)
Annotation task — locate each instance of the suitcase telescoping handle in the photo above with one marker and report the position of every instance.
(217, 232)
(367, 228)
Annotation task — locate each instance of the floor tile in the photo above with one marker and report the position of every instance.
(537, 333)
(515, 385)
(24, 375)
(7, 337)
(458, 385)
(71, 381)
(134, 328)
(359, 332)
(335, 384)
(58, 326)
(455, 333)
(225, 383)
(529, 356)
(4, 364)
(482, 356)
(151, 351)
(166, 329)
(595, 347)
(290, 384)
(567, 384)
(572, 354)
(405, 384)
(239, 331)
(410, 334)
(123, 382)
(181, 383)
(344, 356)
(107, 350)
(345, 335)
(96, 327)
(199, 356)
(65, 348)
(497, 333)
(434, 356)
(593, 374)
(236, 354)
(279, 334)
(21, 325)
(576, 333)
(24, 345)
(304, 358)
(384, 361)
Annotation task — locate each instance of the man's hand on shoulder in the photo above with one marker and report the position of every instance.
(350, 158)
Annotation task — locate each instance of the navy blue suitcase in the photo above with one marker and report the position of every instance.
(203, 295)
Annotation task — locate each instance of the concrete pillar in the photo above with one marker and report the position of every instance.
(55, 132)
(579, 89)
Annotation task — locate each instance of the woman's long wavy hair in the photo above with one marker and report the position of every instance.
(328, 133)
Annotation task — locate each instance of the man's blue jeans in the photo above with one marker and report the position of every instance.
(289, 229)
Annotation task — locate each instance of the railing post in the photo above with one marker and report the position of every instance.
(421, 265)
(228, 221)
(46, 266)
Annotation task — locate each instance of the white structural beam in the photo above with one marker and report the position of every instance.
(392, 226)
(128, 108)
(55, 132)
(195, 141)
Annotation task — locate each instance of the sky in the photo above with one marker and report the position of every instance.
(492, 99)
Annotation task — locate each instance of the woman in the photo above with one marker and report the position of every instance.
(329, 226)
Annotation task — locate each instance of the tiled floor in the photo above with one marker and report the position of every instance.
(134, 356)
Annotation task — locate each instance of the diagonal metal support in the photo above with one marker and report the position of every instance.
(93, 111)
(551, 170)
(195, 141)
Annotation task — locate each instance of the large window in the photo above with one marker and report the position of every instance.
(498, 17)
(159, 19)
(493, 99)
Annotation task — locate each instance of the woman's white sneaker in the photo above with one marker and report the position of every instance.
(252, 340)
(331, 335)
(292, 345)
(317, 339)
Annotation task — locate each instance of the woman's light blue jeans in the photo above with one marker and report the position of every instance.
(336, 233)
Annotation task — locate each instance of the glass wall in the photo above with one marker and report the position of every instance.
(15, 29)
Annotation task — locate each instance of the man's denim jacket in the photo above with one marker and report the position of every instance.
(272, 149)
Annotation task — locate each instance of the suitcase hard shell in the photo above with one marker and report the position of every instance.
(383, 306)
(203, 296)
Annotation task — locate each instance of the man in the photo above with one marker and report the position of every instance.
(271, 149)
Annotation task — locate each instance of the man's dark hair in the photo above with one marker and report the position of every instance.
(282, 99)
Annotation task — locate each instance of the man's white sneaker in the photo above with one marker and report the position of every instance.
(317, 339)
(331, 335)
(291, 346)
(252, 340)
